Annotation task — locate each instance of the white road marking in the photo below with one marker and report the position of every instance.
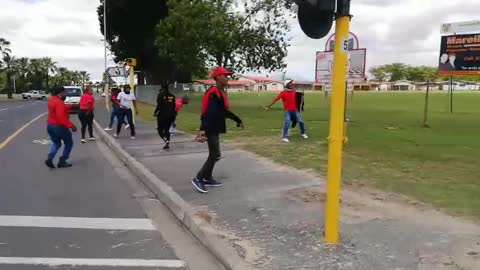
(78, 223)
(1, 110)
(20, 106)
(92, 262)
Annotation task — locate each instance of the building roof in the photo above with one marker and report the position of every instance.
(260, 79)
(212, 82)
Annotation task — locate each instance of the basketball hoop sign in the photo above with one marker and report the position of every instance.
(355, 65)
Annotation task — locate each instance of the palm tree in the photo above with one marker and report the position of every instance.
(49, 66)
(85, 77)
(9, 61)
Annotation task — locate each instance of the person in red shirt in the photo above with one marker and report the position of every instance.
(87, 103)
(215, 110)
(115, 109)
(289, 99)
(58, 127)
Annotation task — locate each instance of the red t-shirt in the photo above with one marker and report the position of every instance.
(87, 101)
(289, 100)
(178, 104)
(58, 113)
(214, 91)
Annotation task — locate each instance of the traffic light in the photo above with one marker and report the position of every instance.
(316, 17)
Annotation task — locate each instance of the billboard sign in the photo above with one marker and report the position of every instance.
(460, 27)
(355, 66)
(460, 55)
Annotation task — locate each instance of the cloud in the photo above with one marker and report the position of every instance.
(392, 31)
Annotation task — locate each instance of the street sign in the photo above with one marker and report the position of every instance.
(351, 43)
(460, 27)
(355, 66)
(116, 72)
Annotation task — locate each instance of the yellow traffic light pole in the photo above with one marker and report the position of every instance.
(337, 128)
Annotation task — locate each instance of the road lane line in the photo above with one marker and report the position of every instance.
(92, 262)
(20, 106)
(137, 224)
(15, 134)
(1, 110)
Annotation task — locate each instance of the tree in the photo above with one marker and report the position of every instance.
(130, 33)
(8, 61)
(203, 33)
(49, 66)
(85, 77)
(379, 73)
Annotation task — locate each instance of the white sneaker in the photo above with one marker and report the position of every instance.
(133, 137)
(115, 135)
(108, 129)
(305, 136)
(285, 140)
(127, 127)
(92, 139)
(83, 140)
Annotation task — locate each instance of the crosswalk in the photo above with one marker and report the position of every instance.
(66, 241)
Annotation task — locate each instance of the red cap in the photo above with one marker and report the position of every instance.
(220, 71)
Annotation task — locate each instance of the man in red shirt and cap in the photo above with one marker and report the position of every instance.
(58, 128)
(289, 98)
(215, 109)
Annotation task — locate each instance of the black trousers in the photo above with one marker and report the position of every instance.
(214, 156)
(163, 126)
(122, 114)
(86, 118)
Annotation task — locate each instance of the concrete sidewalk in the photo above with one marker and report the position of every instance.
(272, 215)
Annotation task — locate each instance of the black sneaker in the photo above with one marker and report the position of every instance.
(199, 185)
(64, 164)
(49, 164)
(167, 146)
(212, 183)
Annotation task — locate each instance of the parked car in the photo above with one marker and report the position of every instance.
(73, 94)
(35, 94)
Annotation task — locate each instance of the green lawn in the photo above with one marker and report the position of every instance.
(437, 165)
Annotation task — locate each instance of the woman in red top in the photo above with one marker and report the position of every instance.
(87, 103)
(58, 127)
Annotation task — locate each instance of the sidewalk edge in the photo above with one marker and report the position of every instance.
(204, 232)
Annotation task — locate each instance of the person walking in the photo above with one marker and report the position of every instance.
(291, 111)
(58, 128)
(115, 109)
(126, 99)
(215, 110)
(87, 103)
(165, 113)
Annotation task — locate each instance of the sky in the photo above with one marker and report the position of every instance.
(406, 31)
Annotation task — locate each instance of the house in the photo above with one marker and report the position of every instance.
(460, 86)
(233, 85)
(303, 85)
(258, 83)
(402, 85)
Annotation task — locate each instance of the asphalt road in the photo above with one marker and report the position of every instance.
(84, 217)
(15, 114)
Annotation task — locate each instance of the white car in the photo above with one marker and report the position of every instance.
(35, 94)
(73, 94)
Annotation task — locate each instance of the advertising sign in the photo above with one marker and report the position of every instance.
(460, 55)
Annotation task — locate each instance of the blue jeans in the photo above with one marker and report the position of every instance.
(57, 135)
(288, 121)
(115, 113)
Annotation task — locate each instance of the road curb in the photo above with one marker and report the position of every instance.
(203, 231)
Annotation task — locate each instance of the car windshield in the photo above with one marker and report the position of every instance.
(73, 92)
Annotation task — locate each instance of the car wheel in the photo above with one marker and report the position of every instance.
(44, 98)
(29, 97)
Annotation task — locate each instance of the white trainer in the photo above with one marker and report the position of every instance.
(285, 140)
(305, 136)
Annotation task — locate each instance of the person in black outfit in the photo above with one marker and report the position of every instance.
(215, 109)
(300, 98)
(165, 113)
